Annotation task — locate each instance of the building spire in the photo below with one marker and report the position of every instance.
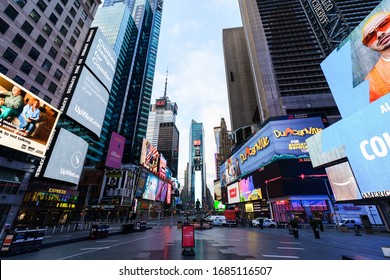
(166, 84)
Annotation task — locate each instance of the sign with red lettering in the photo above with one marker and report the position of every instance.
(188, 236)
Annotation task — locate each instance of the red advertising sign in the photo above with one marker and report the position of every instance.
(188, 236)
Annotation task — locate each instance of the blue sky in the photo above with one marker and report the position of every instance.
(190, 47)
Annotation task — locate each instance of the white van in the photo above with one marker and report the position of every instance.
(217, 220)
(349, 223)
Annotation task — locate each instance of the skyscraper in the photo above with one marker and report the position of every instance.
(197, 165)
(223, 141)
(162, 132)
(287, 40)
(133, 28)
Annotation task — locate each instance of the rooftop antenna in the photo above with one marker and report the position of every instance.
(166, 84)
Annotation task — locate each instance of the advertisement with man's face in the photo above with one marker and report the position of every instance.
(359, 77)
(26, 122)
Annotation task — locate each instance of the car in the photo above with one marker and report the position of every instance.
(217, 220)
(349, 223)
(267, 222)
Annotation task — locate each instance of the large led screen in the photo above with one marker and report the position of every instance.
(233, 192)
(26, 122)
(359, 85)
(139, 188)
(88, 103)
(115, 151)
(150, 189)
(162, 190)
(66, 161)
(247, 189)
(278, 139)
(149, 156)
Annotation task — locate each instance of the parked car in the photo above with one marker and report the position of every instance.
(217, 220)
(266, 222)
(349, 223)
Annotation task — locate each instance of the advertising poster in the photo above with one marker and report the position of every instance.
(188, 236)
(278, 139)
(149, 156)
(233, 193)
(247, 189)
(27, 122)
(359, 77)
(162, 190)
(162, 169)
(150, 189)
(115, 151)
(66, 161)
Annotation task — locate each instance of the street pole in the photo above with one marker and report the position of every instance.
(269, 202)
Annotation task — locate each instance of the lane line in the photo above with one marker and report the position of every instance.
(280, 256)
(285, 242)
(290, 248)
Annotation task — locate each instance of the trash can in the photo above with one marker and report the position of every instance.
(99, 231)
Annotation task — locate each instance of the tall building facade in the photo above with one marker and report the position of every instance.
(287, 41)
(197, 166)
(224, 143)
(39, 44)
(133, 28)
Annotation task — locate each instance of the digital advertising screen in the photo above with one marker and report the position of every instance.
(27, 122)
(150, 188)
(149, 156)
(169, 194)
(65, 162)
(162, 191)
(246, 188)
(233, 192)
(162, 167)
(141, 183)
(358, 75)
(278, 139)
(115, 151)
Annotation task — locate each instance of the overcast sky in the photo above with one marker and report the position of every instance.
(190, 46)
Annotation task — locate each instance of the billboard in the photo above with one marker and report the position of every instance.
(115, 151)
(247, 189)
(150, 188)
(26, 122)
(65, 161)
(278, 139)
(162, 190)
(357, 73)
(233, 191)
(88, 103)
(162, 167)
(149, 156)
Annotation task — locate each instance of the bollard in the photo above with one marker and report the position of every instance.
(54, 230)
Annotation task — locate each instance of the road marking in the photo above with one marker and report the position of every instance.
(290, 242)
(102, 241)
(290, 248)
(280, 256)
(96, 248)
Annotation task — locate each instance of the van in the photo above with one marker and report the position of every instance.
(217, 220)
(349, 223)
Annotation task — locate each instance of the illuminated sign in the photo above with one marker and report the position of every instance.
(160, 102)
(197, 142)
(115, 151)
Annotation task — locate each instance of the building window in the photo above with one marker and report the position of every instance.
(47, 29)
(58, 74)
(76, 32)
(81, 23)
(46, 65)
(27, 27)
(19, 41)
(64, 2)
(58, 41)
(47, 99)
(10, 55)
(34, 90)
(34, 53)
(3, 69)
(64, 31)
(68, 21)
(52, 87)
(35, 16)
(21, 3)
(63, 63)
(26, 68)
(72, 41)
(3, 26)
(59, 9)
(68, 52)
(53, 19)
(41, 41)
(19, 80)
(41, 5)
(53, 52)
(76, 4)
(72, 12)
(84, 15)
(40, 78)
(11, 12)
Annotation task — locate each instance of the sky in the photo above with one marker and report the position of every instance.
(190, 47)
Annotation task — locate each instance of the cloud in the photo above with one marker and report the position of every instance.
(186, 28)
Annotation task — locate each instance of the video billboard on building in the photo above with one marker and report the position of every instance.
(233, 191)
(115, 151)
(149, 156)
(278, 139)
(27, 122)
(65, 162)
(358, 76)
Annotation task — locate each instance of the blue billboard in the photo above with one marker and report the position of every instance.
(358, 74)
(278, 139)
